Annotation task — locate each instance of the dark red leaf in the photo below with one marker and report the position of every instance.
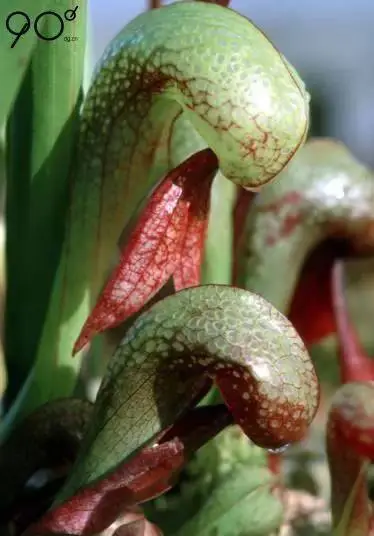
(196, 195)
(147, 261)
(311, 311)
(95, 508)
(355, 365)
(144, 477)
(153, 250)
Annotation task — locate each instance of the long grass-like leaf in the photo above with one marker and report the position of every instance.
(15, 55)
(40, 140)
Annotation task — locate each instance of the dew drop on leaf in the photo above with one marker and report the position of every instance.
(279, 450)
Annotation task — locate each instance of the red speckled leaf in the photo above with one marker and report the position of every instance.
(188, 270)
(153, 250)
(98, 506)
(355, 365)
(147, 261)
(145, 476)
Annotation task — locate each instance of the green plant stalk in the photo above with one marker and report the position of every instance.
(217, 264)
(40, 139)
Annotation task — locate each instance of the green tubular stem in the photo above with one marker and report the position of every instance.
(217, 263)
(165, 360)
(323, 193)
(238, 92)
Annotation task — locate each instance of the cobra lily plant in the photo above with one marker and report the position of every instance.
(116, 187)
(172, 349)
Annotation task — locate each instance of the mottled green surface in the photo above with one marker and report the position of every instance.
(165, 358)
(235, 88)
(334, 198)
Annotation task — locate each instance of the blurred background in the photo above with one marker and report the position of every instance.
(329, 42)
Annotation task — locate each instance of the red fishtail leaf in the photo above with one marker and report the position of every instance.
(153, 250)
(147, 475)
(355, 365)
(95, 508)
(197, 196)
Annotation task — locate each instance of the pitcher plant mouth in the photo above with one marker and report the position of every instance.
(313, 294)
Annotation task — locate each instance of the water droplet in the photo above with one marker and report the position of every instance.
(279, 450)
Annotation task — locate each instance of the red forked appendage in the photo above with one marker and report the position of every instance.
(167, 241)
(94, 508)
(355, 365)
(145, 476)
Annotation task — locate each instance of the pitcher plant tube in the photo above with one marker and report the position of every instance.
(225, 77)
(164, 365)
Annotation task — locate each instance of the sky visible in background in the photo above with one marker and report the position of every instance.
(109, 16)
